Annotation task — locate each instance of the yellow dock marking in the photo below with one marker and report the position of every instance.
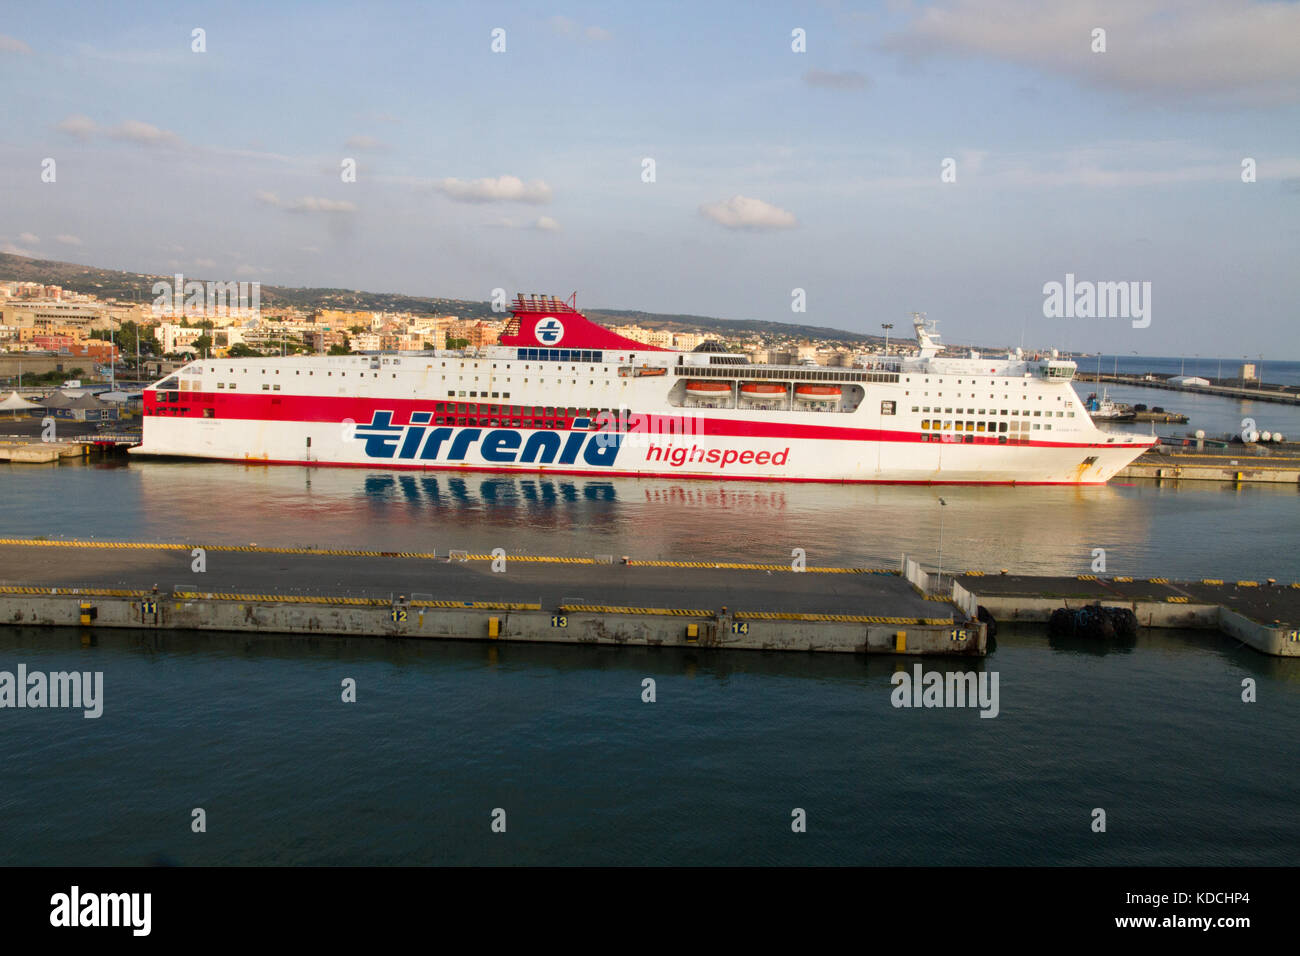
(1122, 580)
(1176, 600)
(1216, 581)
(479, 605)
(72, 592)
(421, 555)
(1157, 580)
(841, 618)
(353, 601)
(1087, 577)
(613, 609)
(736, 566)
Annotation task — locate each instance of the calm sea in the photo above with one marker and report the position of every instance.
(1273, 372)
(442, 734)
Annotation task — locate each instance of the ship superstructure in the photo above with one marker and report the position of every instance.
(561, 394)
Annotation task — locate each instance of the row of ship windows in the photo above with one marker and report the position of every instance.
(540, 368)
(475, 409)
(993, 411)
(183, 410)
(975, 381)
(973, 395)
(470, 413)
(972, 439)
(928, 424)
(233, 386)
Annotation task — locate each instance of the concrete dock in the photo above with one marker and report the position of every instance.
(1216, 466)
(1256, 391)
(1263, 614)
(450, 595)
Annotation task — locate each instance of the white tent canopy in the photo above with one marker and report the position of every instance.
(14, 401)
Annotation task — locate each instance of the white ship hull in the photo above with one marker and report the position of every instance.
(615, 409)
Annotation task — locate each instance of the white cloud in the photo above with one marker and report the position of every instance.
(307, 203)
(13, 250)
(78, 125)
(29, 238)
(1217, 50)
(205, 263)
(146, 134)
(500, 189)
(363, 142)
(542, 223)
(68, 240)
(13, 45)
(572, 28)
(744, 212)
(843, 80)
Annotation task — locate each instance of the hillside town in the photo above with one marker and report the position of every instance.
(49, 330)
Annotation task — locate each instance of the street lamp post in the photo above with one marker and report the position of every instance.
(886, 326)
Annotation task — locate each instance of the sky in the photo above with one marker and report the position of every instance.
(951, 157)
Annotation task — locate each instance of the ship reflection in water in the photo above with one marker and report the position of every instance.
(1039, 529)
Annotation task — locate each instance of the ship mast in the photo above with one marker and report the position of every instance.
(926, 338)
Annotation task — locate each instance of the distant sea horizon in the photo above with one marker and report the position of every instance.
(1272, 371)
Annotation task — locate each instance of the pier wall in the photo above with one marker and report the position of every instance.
(518, 623)
(1267, 639)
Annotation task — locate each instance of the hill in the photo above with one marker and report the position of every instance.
(138, 286)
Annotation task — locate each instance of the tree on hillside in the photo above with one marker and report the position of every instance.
(126, 339)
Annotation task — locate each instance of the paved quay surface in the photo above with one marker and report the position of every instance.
(1257, 600)
(549, 582)
(1219, 459)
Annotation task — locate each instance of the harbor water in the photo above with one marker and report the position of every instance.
(256, 734)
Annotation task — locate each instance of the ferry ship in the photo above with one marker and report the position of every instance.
(561, 394)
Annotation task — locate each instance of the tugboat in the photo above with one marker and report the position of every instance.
(1104, 410)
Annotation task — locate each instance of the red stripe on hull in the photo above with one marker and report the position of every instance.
(603, 473)
(313, 408)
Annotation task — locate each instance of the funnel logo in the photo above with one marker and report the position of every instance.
(549, 331)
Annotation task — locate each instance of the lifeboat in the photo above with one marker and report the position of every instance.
(817, 392)
(761, 388)
(708, 388)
